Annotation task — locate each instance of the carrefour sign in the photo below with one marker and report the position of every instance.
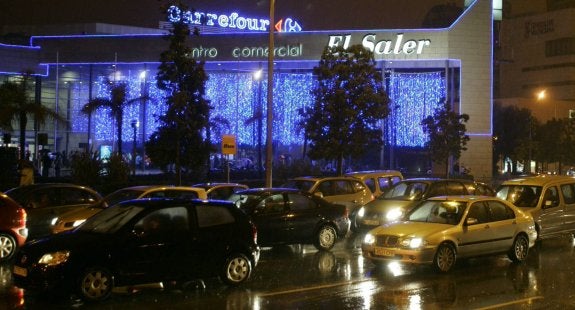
(233, 20)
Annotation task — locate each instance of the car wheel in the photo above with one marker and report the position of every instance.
(326, 237)
(236, 270)
(7, 247)
(444, 258)
(96, 284)
(519, 250)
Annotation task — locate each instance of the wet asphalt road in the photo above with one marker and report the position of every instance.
(300, 277)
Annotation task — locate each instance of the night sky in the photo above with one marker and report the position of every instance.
(312, 14)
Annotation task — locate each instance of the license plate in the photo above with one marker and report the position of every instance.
(23, 272)
(383, 252)
(371, 222)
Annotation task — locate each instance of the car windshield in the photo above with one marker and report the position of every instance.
(122, 195)
(246, 202)
(435, 211)
(108, 221)
(523, 196)
(302, 185)
(405, 191)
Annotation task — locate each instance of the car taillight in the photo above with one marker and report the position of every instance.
(254, 233)
(21, 220)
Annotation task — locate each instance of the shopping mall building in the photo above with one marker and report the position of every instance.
(422, 68)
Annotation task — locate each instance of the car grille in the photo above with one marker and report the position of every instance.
(386, 241)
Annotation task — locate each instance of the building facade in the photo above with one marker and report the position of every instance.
(421, 68)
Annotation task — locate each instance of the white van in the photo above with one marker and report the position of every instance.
(549, 199)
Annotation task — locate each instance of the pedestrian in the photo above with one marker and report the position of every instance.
(26, 173)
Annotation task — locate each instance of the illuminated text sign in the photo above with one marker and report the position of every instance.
(233, 20)
(383, 47)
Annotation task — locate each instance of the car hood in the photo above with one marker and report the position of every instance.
(69, 240)
(79, 214)
(380, 205)
(403, 229)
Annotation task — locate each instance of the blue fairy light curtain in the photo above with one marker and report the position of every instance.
(413, 97)
(237, 97)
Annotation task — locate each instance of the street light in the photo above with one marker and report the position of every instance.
(542, 95)
(269, 119)
(135, 124)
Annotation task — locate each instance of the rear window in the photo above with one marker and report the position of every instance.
(213, 216)
(523, 196)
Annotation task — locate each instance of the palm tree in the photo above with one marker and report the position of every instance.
(17, 106)
(116, 103)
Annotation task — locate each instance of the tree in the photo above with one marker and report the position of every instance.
(349, 104)
(186, 122)
(117, 102)
(17, 106)
(514, 130)
(447, 138)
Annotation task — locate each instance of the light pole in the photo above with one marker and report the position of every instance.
(135, 124)
(259, 115)
(269, 119)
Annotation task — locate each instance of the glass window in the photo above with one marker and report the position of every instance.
(271, 204)
(371, 184)
(213, 215)
(384, 183)
(75, 196)
(164, 221)
(354, 187)
(478, 211)
(456, 188)
(300, 202)
(437, 189)
(551, 194)
(568, 193)
(499, 211)
(326, 188)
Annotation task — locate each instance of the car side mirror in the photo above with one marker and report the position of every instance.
(471, 221)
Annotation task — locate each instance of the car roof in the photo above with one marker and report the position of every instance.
(269, 190)
(317, 178)
(539, 180)
(167, 202)
(218, 184)
(374, 173)
(23, 190)
(465, 198)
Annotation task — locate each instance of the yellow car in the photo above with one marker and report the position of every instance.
(74, 218)
(441, 229)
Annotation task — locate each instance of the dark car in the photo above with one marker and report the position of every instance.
(142, 241)
(289, 216)
(403, 196)
(44, 202)
(13, 231)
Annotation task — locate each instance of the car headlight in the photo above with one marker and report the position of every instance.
(78, 222)
(54, 221)
(54, 258)
(369, 239)
(412, 243)
(361, 212)
(394, 214)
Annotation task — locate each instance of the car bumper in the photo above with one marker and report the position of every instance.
(39, 278)
(382, 254)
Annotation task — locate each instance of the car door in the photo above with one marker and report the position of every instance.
(550, 217)
(270, 219)
(502, 225)
(475, 237)
(157, 247)
(302, 218)
(568, 194)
